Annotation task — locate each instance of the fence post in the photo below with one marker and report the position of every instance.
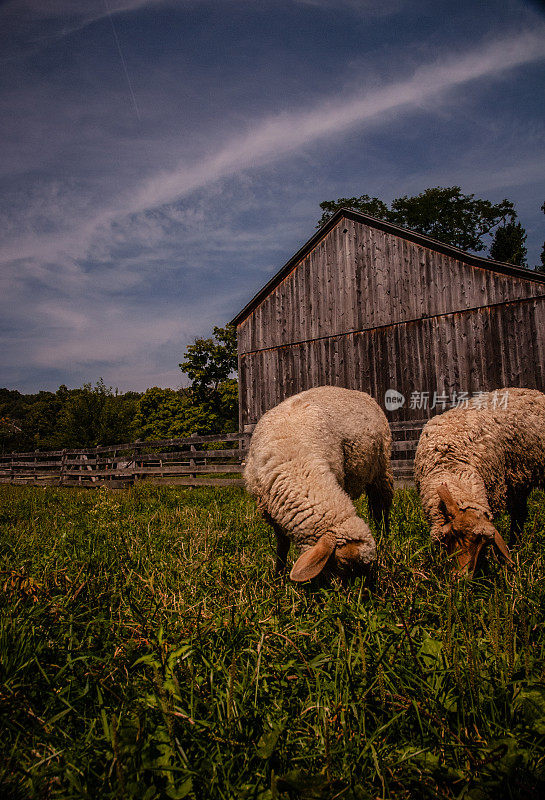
(135, 475)
(247, 435)
(63, 468)
(192, 460)
(96, 468)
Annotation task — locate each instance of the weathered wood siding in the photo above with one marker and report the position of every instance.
(358, 277)
(370, 310)
(471, 351)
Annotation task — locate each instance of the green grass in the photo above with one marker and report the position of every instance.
(147, 651)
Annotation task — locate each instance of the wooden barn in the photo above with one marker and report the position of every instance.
(369, 305)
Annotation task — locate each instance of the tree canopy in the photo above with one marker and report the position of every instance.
(95, 415)
(210, 362)
(367, 205)
(177, 413)
(508, 245)
(444, 213)
(83, 417)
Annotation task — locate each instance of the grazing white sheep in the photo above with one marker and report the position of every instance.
(308, 456)
(474, 463)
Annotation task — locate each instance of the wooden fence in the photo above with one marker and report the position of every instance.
(216, 460)
(405, 436)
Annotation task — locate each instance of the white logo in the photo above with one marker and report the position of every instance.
(393, 400)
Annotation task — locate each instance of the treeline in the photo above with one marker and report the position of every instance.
(450, 216)
(100, 415)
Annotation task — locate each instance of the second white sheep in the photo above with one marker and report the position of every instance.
(472, 464)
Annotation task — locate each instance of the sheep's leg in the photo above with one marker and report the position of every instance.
(282, 549)
(282, 543)
(519, 513)
(379, 496)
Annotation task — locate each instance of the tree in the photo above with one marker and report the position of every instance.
(34, 417)
(210, 404)
(41, 417)
(450, 216)
(209, 362)
(96, 415)
(175, 414)
(508, 245)
(368, 205)
(12, 411)
(441, 212)
(168, 414)
(66, 418)
(9, 434)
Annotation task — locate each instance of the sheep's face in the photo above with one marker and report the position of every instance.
(467, 532)
(349, 553)
(357, 554)
(466, 535)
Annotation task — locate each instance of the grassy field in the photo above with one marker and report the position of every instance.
(146, 651)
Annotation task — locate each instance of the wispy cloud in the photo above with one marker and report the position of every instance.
(287, 133)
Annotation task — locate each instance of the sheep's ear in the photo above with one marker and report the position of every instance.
(502, 547)
(313, 560)
(448, 500)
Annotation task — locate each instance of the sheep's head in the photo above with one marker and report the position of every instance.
(348, 553)
(356, 550)
(466, 532)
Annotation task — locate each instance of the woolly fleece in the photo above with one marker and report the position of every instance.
(312, 453)
(488, 458)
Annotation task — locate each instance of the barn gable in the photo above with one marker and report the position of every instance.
(369, 305)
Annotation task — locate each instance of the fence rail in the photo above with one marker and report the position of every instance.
(218, 461)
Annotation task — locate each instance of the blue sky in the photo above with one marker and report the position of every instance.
(161, 160)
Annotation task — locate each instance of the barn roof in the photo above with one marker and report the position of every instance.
(388, 227)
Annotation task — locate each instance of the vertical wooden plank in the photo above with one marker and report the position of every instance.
(350, 302)
(331, 320)
(348, 356)
(311, 365)
(320, 288)
(246, 411)
(360, 269)
(296, 334)
(323, 360)
(366, 341)
(404, 297)
(265, 382)
(302, 308)
(374, 277)
(530, 355)
(310, 301)
(537, 332)
(381, 262)
(253, 388)
(258, 329)
(302, 357)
